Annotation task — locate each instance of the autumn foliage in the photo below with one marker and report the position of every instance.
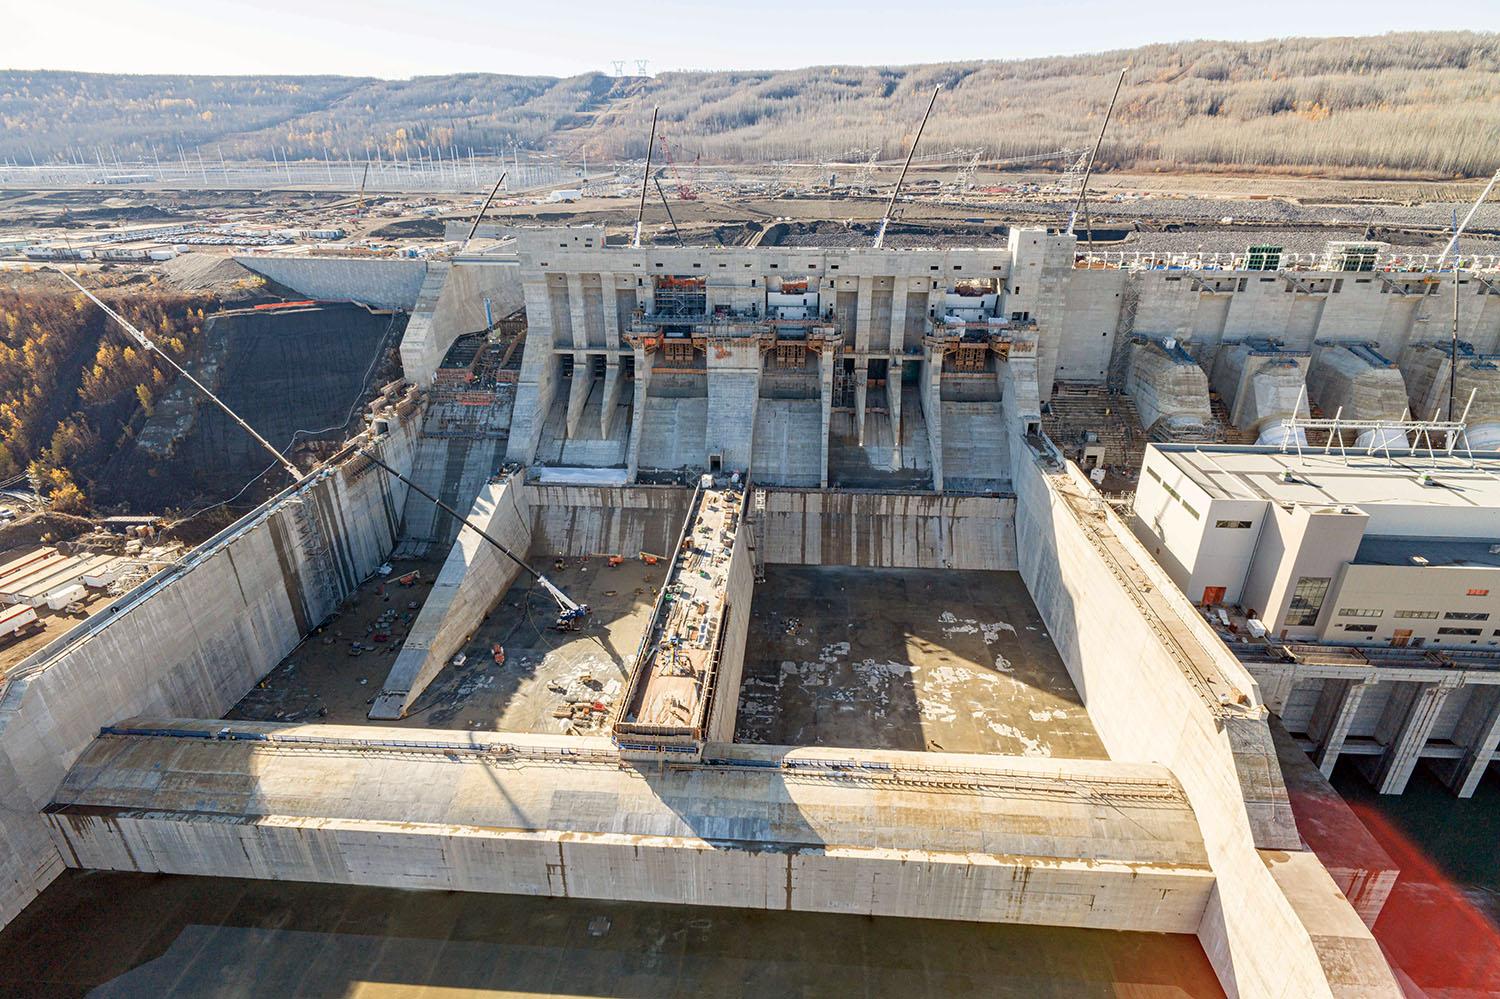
(72, 388)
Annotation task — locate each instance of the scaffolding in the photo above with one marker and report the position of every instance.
(1433, 440)
(684, 298)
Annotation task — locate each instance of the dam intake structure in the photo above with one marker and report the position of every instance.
(863, 640)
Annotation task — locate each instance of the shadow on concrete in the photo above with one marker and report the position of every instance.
(136, 934)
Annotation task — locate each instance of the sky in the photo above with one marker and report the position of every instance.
(396, 40)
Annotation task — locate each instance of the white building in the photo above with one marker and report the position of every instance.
(1396, 551)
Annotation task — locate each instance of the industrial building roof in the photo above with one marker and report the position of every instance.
(1233, 472)
(1434, 553)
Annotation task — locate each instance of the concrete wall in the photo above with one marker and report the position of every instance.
(381, 282)
(454, 308)
(625, 520)
(1276, 925)
(191, 641)
(887, 530)
(738, 591)
(911, 883)
(472, 580)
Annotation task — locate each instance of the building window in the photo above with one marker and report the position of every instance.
(1478, 593)
(1188, 508)
(1465, 616)
(1460, 631)
(1421, 615)
(1360, 612)
(1307, 601)
(1237, 525)
(1359, 627)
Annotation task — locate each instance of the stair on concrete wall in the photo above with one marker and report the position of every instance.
(1077, 409)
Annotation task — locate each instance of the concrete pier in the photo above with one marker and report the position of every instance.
(472, 580)
(1064, 843)
(1391, 724)
(1160, 685)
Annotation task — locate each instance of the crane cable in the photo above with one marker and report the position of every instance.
(286, 464)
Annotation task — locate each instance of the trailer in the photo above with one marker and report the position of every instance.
(16, 623)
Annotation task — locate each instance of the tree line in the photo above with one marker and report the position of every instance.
(1413, 102)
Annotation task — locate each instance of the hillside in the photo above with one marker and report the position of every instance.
(1415, 103)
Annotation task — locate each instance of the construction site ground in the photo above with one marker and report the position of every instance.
(54, 624)
(912, 659)
(542, 671)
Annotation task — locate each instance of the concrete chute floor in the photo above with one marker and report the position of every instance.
(181, 936)
(909, 659)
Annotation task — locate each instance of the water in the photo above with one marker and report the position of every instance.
(126, 935)
(1441, 925)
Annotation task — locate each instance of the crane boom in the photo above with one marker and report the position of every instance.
(1083, 188)
(645, 180)
(482, 209)
(891, 205)
(665, 204)
(359, 208)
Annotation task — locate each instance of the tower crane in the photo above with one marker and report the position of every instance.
(685, 190)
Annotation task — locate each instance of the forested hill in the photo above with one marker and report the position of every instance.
(1401, 103)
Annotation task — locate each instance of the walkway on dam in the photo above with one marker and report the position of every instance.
(1079, 842)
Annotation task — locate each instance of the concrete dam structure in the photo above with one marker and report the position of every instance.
(859, 640)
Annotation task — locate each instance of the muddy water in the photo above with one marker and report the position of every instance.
(127, 935)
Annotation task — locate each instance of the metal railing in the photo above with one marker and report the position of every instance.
(1384, 262)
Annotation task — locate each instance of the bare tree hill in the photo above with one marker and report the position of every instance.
(1403, 103)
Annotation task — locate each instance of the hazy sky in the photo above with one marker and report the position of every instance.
(415, 37)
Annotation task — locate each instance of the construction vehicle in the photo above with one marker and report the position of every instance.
(572, 616)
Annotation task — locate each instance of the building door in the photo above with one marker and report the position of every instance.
(1400, 638)
(1213, 595)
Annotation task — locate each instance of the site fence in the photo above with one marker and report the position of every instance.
(461, 174)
